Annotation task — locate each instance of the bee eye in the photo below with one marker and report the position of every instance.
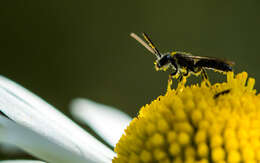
(163, 61)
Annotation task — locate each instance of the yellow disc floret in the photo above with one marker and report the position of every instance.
(196, 124)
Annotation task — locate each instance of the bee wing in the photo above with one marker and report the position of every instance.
(231, 63)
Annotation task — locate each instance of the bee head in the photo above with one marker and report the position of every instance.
(163, 62)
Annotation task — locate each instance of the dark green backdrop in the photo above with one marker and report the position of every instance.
(65, 49)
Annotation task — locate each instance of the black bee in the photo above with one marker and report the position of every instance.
(184, 63)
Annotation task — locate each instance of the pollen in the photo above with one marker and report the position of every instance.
(200, 123)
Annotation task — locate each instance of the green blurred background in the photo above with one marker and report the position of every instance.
(61, 50)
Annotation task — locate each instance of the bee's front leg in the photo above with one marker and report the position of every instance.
(186, 73)
(174, 73)
(174, 67)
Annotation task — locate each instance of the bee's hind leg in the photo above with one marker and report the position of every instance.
(204, 74)
(205, 77)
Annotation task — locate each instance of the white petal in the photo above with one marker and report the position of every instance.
(43, 131)
(21, 161)
(107, 121)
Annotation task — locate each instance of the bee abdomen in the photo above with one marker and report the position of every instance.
(214, 64)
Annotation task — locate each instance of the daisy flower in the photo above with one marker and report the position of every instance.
(199, 123)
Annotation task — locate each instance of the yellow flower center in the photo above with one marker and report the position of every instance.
(218, 123)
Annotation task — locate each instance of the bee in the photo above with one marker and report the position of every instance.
(183, 64)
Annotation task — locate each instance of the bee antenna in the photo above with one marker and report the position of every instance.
(137, 38)
(151, 44)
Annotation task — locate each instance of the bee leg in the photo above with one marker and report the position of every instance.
(180, 77)
(196, 70)
(174, 67)
(174, 73)
(204, 74)
(186, 73)
(205, 77)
